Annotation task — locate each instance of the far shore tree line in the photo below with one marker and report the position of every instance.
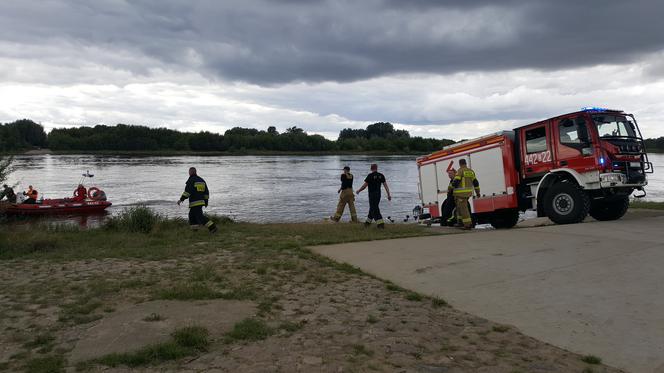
(378, 137)
(25, 134)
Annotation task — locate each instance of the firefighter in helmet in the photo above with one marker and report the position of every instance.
(346, 197)
(462, 187)
(197, 191)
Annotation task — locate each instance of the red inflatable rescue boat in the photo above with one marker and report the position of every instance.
(63, 206)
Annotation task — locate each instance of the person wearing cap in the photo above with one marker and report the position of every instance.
(374, 181)
(346, 197)
(8, 192)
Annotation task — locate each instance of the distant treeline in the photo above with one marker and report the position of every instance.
(25, 134)
(655, 144)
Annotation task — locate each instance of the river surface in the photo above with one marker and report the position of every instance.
(247, 188)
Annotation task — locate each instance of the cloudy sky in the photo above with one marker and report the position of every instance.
(438, 68)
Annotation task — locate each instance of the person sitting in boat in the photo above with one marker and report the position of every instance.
(80, 194)
(9, 193)
(31, 195)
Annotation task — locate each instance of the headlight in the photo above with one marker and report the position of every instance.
(611, 178)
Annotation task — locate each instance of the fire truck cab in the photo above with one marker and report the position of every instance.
(565, 167)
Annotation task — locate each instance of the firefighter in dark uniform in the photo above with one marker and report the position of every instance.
(198, 193)
(346, 197)
(374, 181)
(448, 217)
(463, 185)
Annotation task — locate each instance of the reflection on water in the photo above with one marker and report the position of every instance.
(247, 188)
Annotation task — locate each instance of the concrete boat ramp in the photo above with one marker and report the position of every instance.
(593, 288)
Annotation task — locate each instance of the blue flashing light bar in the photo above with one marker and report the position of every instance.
(601, 161)
(594, 109)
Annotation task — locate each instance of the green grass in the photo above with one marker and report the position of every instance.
(438, 302)
(189, 291)
(186, 341)
(500, 328)
(591, 359)
(359, 349)
(172, 238)
(249, 329)
(47, 364)
(414, 297)
(638, 204)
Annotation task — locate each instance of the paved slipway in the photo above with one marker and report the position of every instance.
(593, 288)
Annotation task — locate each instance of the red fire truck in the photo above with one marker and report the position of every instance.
(566, 167)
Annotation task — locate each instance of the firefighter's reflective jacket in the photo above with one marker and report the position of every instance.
(197, 191)
(464, 183)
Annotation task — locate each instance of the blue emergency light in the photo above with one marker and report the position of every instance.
(594, 109)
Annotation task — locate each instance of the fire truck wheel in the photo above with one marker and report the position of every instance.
(566, 203)
(504, 219)
(609, 210)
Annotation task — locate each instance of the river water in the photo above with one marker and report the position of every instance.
(246, 188)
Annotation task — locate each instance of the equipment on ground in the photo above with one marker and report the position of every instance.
(565, 168)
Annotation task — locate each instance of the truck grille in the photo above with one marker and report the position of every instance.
(634, 174)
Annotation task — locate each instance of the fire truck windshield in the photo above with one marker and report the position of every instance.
(614, 126)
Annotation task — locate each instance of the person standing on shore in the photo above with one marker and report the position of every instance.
(198, 193)
(463, 185)
(346, 197)
(374, 181)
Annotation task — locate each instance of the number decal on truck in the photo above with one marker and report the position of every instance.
(536, 158)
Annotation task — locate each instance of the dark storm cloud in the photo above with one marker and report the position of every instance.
(273, 42)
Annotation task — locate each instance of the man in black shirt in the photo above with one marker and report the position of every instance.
(198, 193)
(374, 181)
(346, 196)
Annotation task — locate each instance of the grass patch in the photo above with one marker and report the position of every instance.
(638, 204)
(249, 329)
(290, 326)
(500, 328)
(359, 349)
(40, 340)
(47, 364)
(190, 291)
(172, 238)
(372, 319)
(438, 302)
(413, 297)
(186, 341)
(591, 359)
(134, 219)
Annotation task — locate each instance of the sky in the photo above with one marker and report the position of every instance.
(437, 68)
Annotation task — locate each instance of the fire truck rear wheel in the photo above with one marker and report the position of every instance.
(566, 203)
(504, 219)
(604, 210)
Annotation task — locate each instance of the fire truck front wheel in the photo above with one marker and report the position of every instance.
(605, 210)
(566, 203)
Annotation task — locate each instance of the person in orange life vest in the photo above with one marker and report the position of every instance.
(32, 196)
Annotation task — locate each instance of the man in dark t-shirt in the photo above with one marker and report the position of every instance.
(374, 181)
